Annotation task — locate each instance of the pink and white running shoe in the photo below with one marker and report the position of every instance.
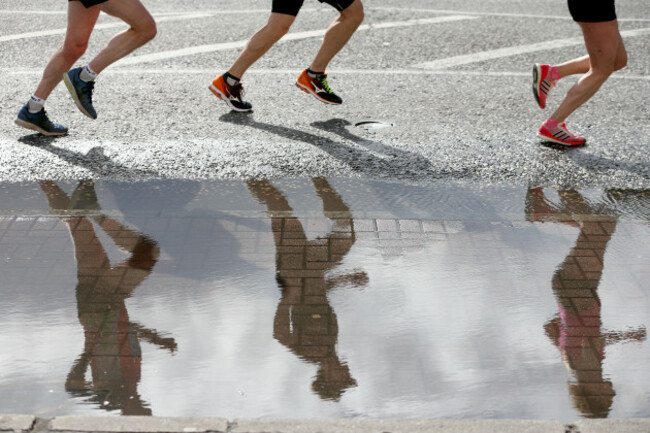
(560, 135)
(542, 83)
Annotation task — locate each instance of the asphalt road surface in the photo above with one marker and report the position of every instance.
(451, 81)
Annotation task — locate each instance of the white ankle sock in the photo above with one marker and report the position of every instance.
(87, 74)
(35, 104)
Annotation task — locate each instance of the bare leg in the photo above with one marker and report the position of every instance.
(277, 26)
(143, 29)
(606, 54)
(338, 34)
(80, 24)
(580, 65)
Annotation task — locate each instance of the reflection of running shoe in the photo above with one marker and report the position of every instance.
(561, 135)
(39, 122)
(231, 95)
(81, 92)
(317, 87)
(542, 83)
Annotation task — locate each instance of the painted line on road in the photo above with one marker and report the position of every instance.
(61, 31)
(494, 14)
(295, 71)
(202, 49)
(7, 11)
(514, 51)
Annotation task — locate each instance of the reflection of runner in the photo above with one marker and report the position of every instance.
(112, 348)
(82, 16)
(597, 19)
(312, 80)
(304, 321)
(576, 331)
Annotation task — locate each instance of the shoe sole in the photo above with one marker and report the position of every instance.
(75, 97)
(311, 92)
(36, 128)
(556, 141)
(219, 94)
(537, 78)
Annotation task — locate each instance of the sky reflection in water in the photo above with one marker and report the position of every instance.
(323, 298)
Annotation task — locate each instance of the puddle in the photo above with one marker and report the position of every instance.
(323, 298)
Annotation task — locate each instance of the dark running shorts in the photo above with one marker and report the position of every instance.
(89, 3)
(592, 11)
(291, 7)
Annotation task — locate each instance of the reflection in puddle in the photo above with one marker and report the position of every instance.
(576, 330)
(323, 298)
(304, 321)
(112, 340)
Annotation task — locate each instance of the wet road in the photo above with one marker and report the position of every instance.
(453, 79)
(323, 298)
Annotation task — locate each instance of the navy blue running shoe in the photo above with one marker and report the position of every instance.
(39, 122)
(81, 92)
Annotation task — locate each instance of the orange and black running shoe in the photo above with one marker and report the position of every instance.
(231, 95)
(318, 88)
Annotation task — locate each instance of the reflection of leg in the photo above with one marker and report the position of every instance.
(332, 201)
(338, 34)
(268, 195)
(577, 331)
(57, 198)
(144, 251)
(277, 26)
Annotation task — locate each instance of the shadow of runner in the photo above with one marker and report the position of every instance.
(112, 340)
(94, 161)
(368, 157)
(304, 320)
(577, 328)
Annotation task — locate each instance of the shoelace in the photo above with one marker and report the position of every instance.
(323, 81)
(47, 120)
(237, 91)
(88, 89)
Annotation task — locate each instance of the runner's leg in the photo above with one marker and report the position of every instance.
(338, 34)
(580, 65)
(142, 30)
(80, 24)
(606, 54)
(277, 26)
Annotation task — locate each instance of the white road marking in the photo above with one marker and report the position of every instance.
(61, 31)
(495, 14)
(514, 51)
(202, 49)
(295, 71)
(7, 11)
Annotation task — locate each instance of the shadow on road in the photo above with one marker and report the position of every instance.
(362, 155)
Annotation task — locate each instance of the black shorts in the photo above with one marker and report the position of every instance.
(291, 7)
(592, 11)
(89, 3)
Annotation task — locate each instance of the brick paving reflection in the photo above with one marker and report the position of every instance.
(577, 329)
